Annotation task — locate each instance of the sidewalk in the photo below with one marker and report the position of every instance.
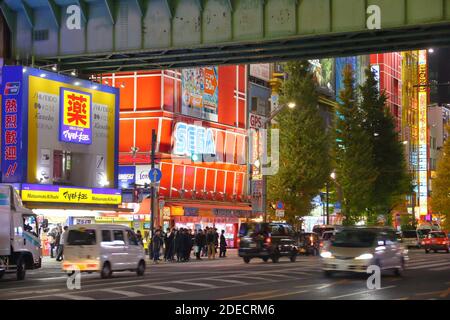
(51, 263)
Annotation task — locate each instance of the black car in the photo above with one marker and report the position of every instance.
(267, 241)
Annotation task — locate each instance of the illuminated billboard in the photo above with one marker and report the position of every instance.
(58, 130)
(423, 136)
(75, 124)
(200, 93)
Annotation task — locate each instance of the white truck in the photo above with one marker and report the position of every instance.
(20, 248)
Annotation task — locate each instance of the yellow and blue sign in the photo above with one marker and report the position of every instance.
(75, 111)
(44, 112)
(65, 194)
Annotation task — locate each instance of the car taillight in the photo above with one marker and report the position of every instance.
(238, 241)
(321, 244)
(268, 240)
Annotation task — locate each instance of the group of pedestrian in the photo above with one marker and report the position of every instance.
(178, 244)
(56, 238)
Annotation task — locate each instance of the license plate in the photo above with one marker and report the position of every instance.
(252, 245)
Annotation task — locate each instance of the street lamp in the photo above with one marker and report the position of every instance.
(332, 176)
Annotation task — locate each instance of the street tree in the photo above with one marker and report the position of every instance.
(355, 169)
(393, 181)
(440, 196)
(305, 142)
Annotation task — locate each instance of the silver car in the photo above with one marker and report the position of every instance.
(354, 249)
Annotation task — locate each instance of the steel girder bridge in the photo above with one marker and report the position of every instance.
(97, 36)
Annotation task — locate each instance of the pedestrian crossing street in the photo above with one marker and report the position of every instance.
(162, 281)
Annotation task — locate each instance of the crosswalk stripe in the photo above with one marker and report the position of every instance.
(429, 265)
(129, 294)
(205, 285)
(72, 297)
(231, 281)
(441, 268)
(170, 289)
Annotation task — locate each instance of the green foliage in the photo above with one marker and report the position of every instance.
(441, 186)
(388, 156)
(304, 145)
(355, 169)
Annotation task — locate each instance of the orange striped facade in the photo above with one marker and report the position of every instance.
(152, 100)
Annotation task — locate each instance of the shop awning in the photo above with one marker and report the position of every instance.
(145, 205)
(212, 205)
(68, 206)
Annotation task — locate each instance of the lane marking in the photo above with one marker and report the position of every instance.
(231, 281)
(72, 297)
(361, 292)
(282, 294)
(429, 265)
(170, 289)
(205, 285)
(344, 281)
(240, 297)
(441, 268)
(129, 294)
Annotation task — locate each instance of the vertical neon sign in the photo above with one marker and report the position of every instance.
(423, 136)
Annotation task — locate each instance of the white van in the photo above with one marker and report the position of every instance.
(104, 248)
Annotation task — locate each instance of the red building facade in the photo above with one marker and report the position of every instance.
(193, 194)
(389, 67)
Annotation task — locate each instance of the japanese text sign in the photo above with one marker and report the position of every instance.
(75, 122)
(12, 127)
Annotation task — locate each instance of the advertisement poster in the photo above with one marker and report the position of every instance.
(260, 71)
(200, 93)
(323, 72)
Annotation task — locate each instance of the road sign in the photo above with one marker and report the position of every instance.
(155, 175)
(280, 205)
(279, 213)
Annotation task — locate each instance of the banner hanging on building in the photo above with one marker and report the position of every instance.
(200, 92)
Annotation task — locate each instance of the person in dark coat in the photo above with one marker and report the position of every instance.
(157, 243)
(198, 244)
(179, 244)
(205, 247)
(166, 244)
(171, 245)
(223, 245)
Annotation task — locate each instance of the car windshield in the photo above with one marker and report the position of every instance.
(81, 237)
(423, 232)
(437, 235)
(409, 234)
(253, 229)
(327, 235)
(354, 238)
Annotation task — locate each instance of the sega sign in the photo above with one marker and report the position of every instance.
(191, 139)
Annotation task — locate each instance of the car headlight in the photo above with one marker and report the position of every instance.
(364, 256)
(326, 254)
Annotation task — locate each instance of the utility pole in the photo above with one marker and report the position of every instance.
(152, 187)
(328, 205)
